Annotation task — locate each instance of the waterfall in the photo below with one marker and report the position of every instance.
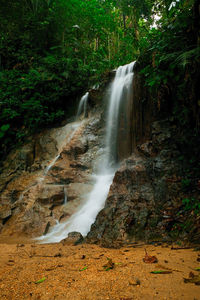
(82, 220)
(82, 106)
(65, 193)
(48, 168)
(121, 90)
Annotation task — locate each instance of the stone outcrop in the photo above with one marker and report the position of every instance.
(73, 238)
(53, 168)
(145, 195)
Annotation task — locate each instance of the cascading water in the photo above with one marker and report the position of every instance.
(82, 106)
(69, 132)
(48, 168)
(121, 90)
(82, 220)
(65, 193)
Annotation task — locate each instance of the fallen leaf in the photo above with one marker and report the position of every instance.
(161, 267)
(10, 264)
(161, 272)
(110, 264)
(192, 279)
(41, 280)
(180, 248)
(58, 255)
(149, 259)
(135, 282)
(54, 267)
(83, 269)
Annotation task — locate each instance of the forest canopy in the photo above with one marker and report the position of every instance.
(52, 51)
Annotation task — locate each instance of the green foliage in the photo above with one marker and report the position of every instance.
(191, 204)
(38, 97)
(3, 130)
(49, 50)
(52, 51)
(186, 183)
(169, 56)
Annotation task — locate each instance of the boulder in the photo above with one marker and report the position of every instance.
(73, 238)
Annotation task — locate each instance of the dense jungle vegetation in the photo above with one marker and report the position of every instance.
(51, 51)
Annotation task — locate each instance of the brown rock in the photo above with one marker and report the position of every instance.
(73, 237)
(5, 212)
(51, 195)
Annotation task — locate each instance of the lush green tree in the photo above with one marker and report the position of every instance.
(52, 50)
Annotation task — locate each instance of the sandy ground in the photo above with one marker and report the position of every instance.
(77, 272)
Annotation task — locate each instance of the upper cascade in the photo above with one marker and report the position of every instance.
(82, 108)
(121, 91)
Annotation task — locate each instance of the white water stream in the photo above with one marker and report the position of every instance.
(82, 106)
(51, 164)
(68, 132)
(82, 220)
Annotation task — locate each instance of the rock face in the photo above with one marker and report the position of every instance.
(145, 194)
(45, 180)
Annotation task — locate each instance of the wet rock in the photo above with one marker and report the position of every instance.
(51, 195)
(32, 197)
(80, 147)
(147, 149)
(47, 228)
(127, 207)
(78, 190)
(142, 203)
(79, 166)
(73, 237)
(5, 212)
(161, 134)
(27, 155)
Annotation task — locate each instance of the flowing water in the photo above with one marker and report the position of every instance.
(68, 132)
(51, 164)
(121, 89)
(82, 220)
(82, 108)
(65, 193)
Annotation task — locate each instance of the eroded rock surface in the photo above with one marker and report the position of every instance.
(145, 196)
(46, 180)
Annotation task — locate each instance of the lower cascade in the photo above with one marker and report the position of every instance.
(84, 217)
